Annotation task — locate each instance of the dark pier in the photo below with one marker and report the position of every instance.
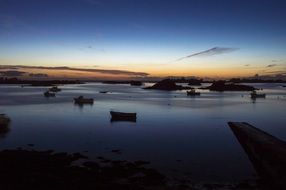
(266, 152)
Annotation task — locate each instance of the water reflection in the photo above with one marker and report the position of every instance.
(171, 125)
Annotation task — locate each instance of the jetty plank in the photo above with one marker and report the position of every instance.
(266, 152)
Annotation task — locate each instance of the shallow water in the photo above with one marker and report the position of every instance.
(181, 136)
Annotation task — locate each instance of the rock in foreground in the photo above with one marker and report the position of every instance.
(30, 169)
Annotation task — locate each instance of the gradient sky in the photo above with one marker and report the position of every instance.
(147, 36)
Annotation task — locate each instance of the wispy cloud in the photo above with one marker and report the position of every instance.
(271, 65)
(210, 52)
(103, 71)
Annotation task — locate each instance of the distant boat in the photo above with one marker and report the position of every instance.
(103, 92)
(254, 95)
(193, 93)
(4, 120)
(54, 89)
(122, 116)
(49, 94)
(82, 100)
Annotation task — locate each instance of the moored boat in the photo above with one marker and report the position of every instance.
(54, 89)
(82, 100)
(254, 95)
(123, 116)
(193, 93)
(49, 94)
(4, 120)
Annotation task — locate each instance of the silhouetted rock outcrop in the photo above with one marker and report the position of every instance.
(167, 84)
(136, 83)
(195, 82)
(223, 86)
(30, 169)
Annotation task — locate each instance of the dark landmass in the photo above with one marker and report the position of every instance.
(190, 81)
(238, 80)
(195, 82)
(224, 86)
(168, 85)
(37, 82)
(46, 170)
(136, 83)
(115, 82)
(132, 82)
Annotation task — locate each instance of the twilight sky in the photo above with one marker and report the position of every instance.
(155, 38)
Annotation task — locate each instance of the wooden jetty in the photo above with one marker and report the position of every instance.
(266, 152)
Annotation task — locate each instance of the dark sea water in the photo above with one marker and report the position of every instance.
(181, 136)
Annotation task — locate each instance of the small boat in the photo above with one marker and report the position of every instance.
(103, 92)
(122, 116)
(54, 89)
(254, 95)
(193, 93)
(82, 100)
(49, 94)
(4, 120)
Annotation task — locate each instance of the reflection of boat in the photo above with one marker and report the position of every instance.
(54, 89)
(4, 120)
(193, 93)
(122, 116)
(49, 94)
(254, 95)
(82, 100)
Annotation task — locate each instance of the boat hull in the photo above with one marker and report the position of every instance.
(121, 116)
(193, 93)
(83, 101)
(253, 96)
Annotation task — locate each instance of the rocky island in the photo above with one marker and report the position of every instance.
(223, 86)
(168, 85)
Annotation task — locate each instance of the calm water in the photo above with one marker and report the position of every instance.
(170, 126)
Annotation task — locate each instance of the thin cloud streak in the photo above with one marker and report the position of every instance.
(271, 65)
(103, 71)
(210, 52)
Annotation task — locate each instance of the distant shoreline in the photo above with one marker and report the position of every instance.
(53, 82)
(38, 82)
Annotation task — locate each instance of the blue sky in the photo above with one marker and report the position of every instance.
(143, 35)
